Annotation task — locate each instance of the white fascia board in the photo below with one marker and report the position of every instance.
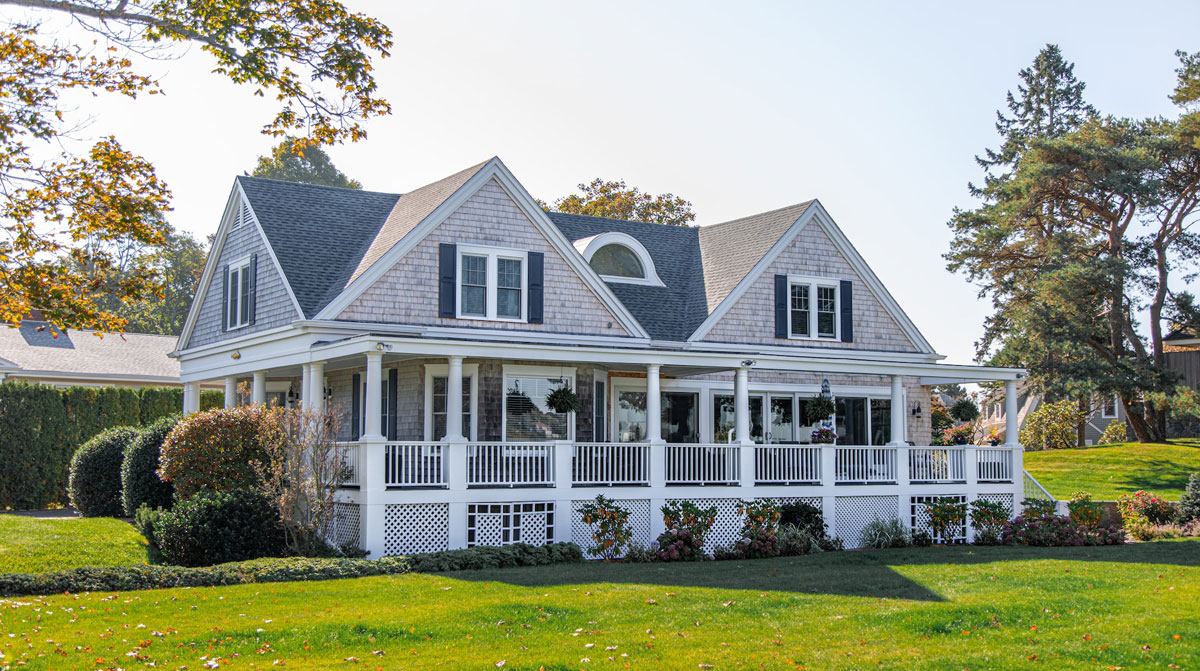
(759, 268)
(823, 352)
(494, 168)
(210, 266)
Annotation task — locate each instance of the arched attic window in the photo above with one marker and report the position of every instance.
(619, 257)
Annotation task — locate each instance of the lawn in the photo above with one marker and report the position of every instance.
(1107, 471)
(32, 545)
(1133, 606)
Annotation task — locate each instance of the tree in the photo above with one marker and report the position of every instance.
(290, 163)
(616, 200)
(953, 390)
(65, 211)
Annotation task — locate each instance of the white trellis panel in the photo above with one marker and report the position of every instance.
(1005, 499)
(853, 513)
(639, 522)
(920, 518)
(728, 526)
(508, 523)
(416, 527)
(347, 524)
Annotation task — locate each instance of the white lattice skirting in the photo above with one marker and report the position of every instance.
(508, 523)
(346, 528)
(919, 518)
(416, 527)
(639, 522)
(853, 513)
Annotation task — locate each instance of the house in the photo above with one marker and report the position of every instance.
(437, 322)
(1102, 410)
(37, 352)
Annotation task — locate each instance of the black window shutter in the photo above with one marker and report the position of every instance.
(537, 264)
(847, 298)
(447, 262)
(355, 406)
(253, 285)
(781, 306)
(392, 402)
(224, 298)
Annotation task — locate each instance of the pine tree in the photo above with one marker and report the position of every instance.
(1189, 503)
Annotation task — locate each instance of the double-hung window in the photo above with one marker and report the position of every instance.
(492, 283)
(237, 302)
(813, 308)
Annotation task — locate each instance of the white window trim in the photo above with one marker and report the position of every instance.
(590, 245)
(493, 255)
(547, 372)
(813, 283)
(470, 377)
(235, 267)
(1104, 408)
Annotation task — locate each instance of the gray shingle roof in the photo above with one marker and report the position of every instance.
(84, 352)
(729, 250)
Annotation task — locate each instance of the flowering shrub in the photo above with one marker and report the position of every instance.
(1039, 507)
(760, 529)
(959, 435)
(1083, 510)
(988, 518)
(947, 515)
(1053, 426)
(824, 436)
(215, 450)
(1142, 505)
(1113, 433)
(1057, 530)
(610, 527)
(687, 525)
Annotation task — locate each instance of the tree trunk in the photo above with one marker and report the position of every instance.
(1081, 431)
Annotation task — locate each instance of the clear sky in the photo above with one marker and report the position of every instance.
(877, 109)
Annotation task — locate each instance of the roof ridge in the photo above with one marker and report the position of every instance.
(320, 186)
(805, 203)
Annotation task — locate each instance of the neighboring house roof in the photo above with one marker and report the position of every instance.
(36, 348)
(729, 250)
(670, 312)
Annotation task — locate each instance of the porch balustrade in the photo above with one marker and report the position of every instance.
(498, 464)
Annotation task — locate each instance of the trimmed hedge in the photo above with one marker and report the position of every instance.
(95, 480)
(218, 527)
(140, 483)
(41, 428)
(291, 569)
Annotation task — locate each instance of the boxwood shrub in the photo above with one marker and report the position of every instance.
(95, 481)
(140, 483)
(219, 527)
(290, 569)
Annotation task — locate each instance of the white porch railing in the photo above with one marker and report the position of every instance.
(864, 465)
(350, 457)
(1032, 489)
(787, 464)
(702, 464)
(414, 465)
(600, 464)
(995, 464)
(510, 464)
(937, 464)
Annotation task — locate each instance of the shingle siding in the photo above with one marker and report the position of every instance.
(273, 305)
(751, 319)
(408, 292)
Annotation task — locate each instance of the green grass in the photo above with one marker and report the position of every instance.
(32, 545)
(1133, 606)
(1107, 471)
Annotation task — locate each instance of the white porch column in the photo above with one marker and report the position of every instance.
(454, 409)
(306, 386)
(258, 392)
(373, 414)
(191, 398)
(898, 421)
(653, 404)
(230, 391)
(314, 393)
(1012, 424)
(741, 406)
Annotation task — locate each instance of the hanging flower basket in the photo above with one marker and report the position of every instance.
(818, 409)
(564, 399)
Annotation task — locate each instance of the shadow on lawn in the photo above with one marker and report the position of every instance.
(867, 573)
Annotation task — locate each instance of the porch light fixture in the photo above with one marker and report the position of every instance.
(916, 411)
(382, 347)
(748, 362)
(236, 355)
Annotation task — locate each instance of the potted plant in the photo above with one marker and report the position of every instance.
(824, 437)
(960, 435)
(563, 399)
(994, 438)
(818, 409)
